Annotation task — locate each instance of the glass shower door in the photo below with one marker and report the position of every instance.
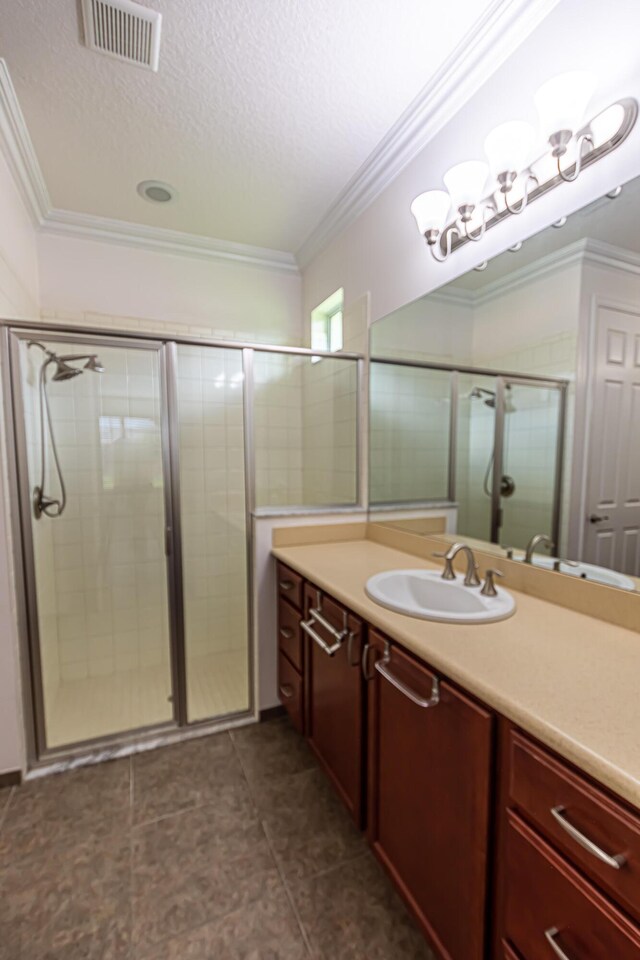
(210, 448)
(92, 479)
(529, 469)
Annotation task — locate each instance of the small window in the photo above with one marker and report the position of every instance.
(326, 324)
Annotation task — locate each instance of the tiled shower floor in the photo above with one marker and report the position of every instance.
(230, 847)
(217, 684)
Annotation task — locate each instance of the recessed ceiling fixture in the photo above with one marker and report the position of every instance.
(124, 30)
(155, 191)
(514, 178)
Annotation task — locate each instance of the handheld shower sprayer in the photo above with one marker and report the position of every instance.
(43, 503)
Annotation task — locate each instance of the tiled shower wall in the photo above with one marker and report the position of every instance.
(409, 433)
(101, 565)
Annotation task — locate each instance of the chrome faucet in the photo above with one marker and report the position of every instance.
(536, 541)
(471, 578)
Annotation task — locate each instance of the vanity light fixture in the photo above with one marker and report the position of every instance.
(514, 177)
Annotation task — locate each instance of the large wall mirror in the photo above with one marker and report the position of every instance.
(511, 399)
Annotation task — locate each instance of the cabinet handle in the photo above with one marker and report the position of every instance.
(616, 861)
(286, 691)
(329, 650)
(286, 632)
(382, 667)
(552, 939)
(317, 615)
(366, 672)
(286, 584)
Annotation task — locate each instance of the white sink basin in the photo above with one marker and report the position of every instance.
(424, 594)
(587, 571)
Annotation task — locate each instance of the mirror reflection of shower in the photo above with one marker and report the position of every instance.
(43, 503)
(488, 397)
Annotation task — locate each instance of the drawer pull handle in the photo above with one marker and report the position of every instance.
(286, 584)
(307, 626)
(286, 691)
(616, 861)
(552, 939)
(286, 632)
(382, 666)
(316, 615)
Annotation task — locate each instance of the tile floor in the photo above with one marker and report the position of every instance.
(229, 847)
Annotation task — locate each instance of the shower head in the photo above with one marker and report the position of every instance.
(489, 398)
(94, 364)
(65, 371)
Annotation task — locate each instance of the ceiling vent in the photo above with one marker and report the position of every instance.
(123, 29)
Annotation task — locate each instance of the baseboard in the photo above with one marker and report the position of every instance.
(12, 778)
(272, 713)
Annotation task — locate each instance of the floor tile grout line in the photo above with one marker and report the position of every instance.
(294, 909)
(5, 810)
(288, 892)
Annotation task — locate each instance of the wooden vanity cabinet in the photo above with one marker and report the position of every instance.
(429, 796)
(567, 859)
(334, 696)
(290, 645)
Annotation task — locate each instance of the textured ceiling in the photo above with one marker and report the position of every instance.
(261, 112)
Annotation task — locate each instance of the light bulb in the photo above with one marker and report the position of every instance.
(465, 183)
(562, 101)
(430, 210)
(508, 147)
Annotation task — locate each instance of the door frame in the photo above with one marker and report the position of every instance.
(584, 405)
(502, 383)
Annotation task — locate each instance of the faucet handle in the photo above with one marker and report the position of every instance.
(489, 587)
(448, 572)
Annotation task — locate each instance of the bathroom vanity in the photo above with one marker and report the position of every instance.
(499, 787)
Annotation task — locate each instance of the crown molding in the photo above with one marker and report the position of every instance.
(83, 226)
(18, 149)
(599, 253)
(501, 29)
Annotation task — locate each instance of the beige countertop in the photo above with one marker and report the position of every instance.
(570, 680)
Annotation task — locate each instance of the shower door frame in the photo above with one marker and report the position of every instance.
(12, 331)
(503, 382)
(15, 336)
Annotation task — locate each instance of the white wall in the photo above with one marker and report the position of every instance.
(18, 299)
(381, 252)
(81, 277)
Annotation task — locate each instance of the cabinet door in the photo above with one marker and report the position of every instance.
(429, 790)
(334, 695)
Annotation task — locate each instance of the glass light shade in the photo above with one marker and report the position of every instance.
(465, 182)
(508, 147)
(430, 210)
(562, 101)
(606, 124)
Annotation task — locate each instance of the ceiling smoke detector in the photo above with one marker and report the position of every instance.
(124, 30)
(155, 191)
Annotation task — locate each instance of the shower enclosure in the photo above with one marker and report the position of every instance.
(490, 442)
(134, 473)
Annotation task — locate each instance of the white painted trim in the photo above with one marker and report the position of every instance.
(85, 226)
(502, 28)
(18, 149)
(585, 250)
(19, 152)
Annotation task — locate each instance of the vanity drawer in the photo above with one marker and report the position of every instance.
(574, 814)
(508, 953)
(290, 633)
(290, 692)
(553, 912)
(290, 585)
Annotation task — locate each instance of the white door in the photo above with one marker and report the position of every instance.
(613, 480)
